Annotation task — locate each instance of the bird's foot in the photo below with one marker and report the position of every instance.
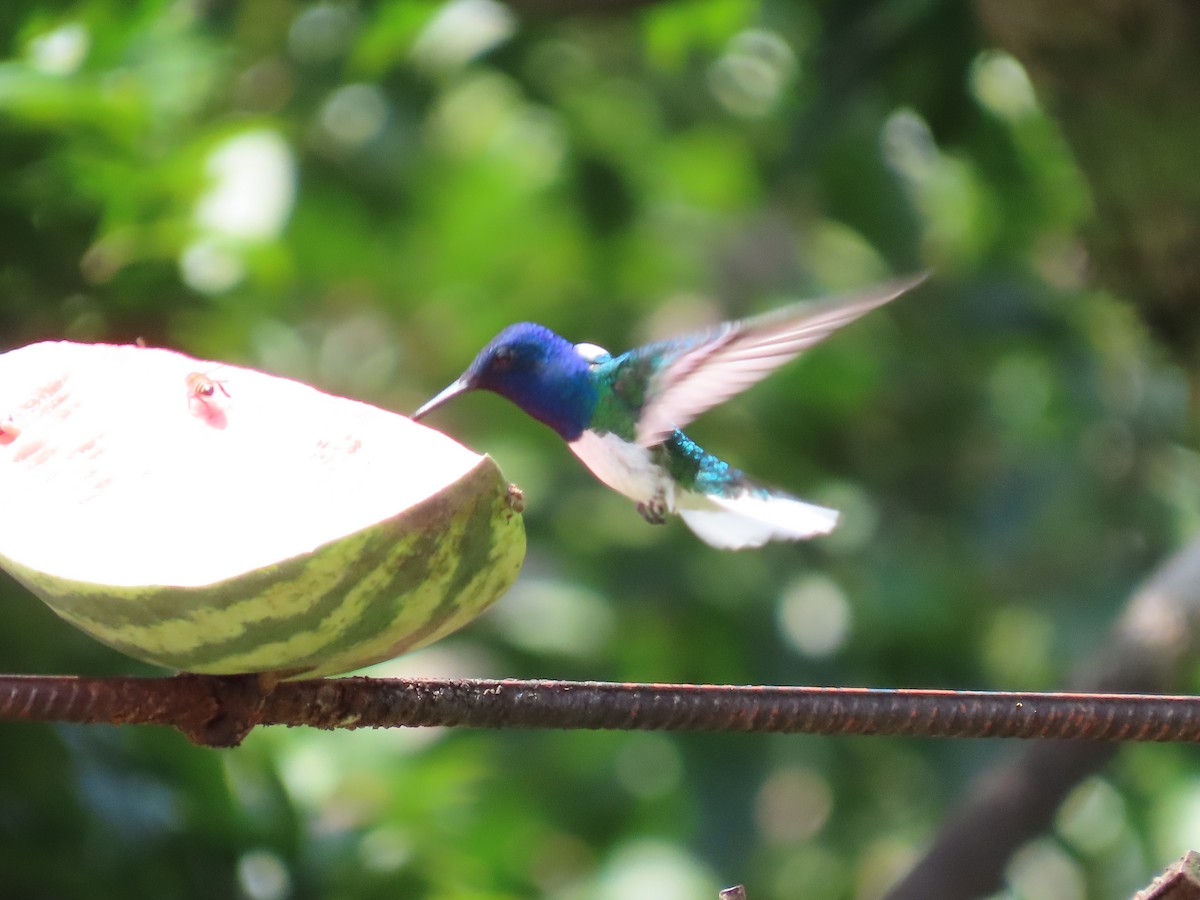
(654, 512)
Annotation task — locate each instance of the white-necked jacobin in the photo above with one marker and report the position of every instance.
(621, 415)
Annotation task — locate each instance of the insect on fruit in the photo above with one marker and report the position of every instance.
(203, 387)
(202, 394)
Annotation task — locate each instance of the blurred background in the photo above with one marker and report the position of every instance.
(360, 195)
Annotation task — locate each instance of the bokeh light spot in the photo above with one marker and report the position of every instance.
(461, 31)
(61, 51)
(793, 805)
(321, 33)
(385, 849)
(814, 616)
(749, 78)
(253, 186)
(210, 267)
(1041, 870)
(354, 114)
(1000, 85)
(1092, 818)
(263, 876)
(653, 870)
(548, 615)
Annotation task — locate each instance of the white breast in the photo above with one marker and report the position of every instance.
(625, 467)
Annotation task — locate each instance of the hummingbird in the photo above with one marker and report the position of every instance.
(622, 415)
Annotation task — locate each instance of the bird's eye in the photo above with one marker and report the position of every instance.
(502, 358)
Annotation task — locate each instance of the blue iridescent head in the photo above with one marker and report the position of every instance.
(538, 371)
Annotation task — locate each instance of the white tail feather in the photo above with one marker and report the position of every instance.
(733, 523)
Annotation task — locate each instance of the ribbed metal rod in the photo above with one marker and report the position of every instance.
(556, 704)
(220, 711)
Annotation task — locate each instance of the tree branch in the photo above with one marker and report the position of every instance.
(1119, 76)
(1150, 650)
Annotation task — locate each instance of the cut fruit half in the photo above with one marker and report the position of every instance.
(217, 519)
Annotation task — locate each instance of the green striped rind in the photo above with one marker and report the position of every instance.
(392, 587)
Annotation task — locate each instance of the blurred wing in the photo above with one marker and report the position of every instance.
(700, 372)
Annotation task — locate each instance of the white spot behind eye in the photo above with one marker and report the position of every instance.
(592, 352)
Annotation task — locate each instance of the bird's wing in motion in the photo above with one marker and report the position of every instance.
(697, 373)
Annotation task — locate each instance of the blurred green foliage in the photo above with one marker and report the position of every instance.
(360, 195)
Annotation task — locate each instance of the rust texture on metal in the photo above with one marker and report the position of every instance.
(220, 711)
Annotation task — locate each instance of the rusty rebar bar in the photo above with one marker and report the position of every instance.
(219, 711)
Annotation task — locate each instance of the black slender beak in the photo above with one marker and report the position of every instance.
(461, 386)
